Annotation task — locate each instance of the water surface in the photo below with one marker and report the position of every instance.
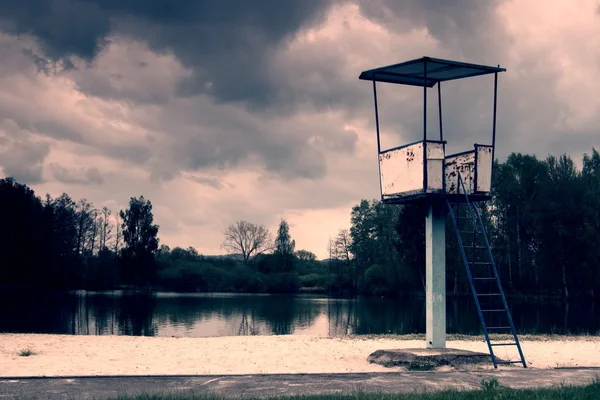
(203, 315)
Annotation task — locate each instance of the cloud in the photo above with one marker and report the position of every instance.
(79, 176)
(21, 154)
(208, 181)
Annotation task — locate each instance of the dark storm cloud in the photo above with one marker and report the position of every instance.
(227, 44)
(468, 26)
(63, 27)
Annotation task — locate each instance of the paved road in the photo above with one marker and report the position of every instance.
(285, 384)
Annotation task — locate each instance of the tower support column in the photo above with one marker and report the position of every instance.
(435, 275)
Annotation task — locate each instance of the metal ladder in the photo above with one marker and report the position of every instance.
(482, 272)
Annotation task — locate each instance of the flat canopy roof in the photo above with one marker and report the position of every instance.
(438, 70)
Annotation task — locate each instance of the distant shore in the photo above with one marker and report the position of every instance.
(66, 355)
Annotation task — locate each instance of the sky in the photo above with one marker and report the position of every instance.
(225, 110)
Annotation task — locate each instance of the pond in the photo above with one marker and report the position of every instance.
(214, 314)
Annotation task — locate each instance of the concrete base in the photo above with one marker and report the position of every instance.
(429, 359)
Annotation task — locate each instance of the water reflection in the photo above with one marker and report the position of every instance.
(197, 315)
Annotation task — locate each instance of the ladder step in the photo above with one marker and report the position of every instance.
(498, 327)
(484, 279)
(500, 310)
(488, 294)
(509, 362)
(480, 263)
(503, 344)
(468, 246)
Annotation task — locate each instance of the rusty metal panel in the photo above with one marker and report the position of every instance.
(463, 163)
(435, 166)
(484, 168)
(402, 170)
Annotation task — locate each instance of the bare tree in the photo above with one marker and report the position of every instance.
(118, 234)
(105, 228)
(342, 245)
(341, 249)
(93, 231)
(85, 224)
(247, 239)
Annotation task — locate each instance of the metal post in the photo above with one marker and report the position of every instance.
(378, 138)
(494, 123)
(440, 110)
(441, 131)
(425, 101)
(435, 275)
(376, 115)
(425, 126)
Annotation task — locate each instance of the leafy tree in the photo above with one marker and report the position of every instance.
(374, 240)
(306, 256)
(141, 242)
(163, 250)
(517, 189)
(19, 234)
(185, 254)
(248, 240)
(62, 229)
(363, 234)
(410, 228)
(591, 207)
(284, 248)
(561, 224)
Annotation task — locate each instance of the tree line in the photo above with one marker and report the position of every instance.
(543, 224)
(60, 243)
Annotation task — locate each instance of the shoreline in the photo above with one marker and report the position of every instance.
(87, 355)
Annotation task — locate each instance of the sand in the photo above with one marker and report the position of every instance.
(64, 355)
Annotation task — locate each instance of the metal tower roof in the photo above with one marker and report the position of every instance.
(426, 71)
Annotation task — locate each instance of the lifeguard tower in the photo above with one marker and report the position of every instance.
(422, 172)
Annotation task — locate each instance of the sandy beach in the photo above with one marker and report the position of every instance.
(65, 355)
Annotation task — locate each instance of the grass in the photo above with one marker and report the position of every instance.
(489, 390)
(27, 352)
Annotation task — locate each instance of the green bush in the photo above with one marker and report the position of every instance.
(313, 280)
